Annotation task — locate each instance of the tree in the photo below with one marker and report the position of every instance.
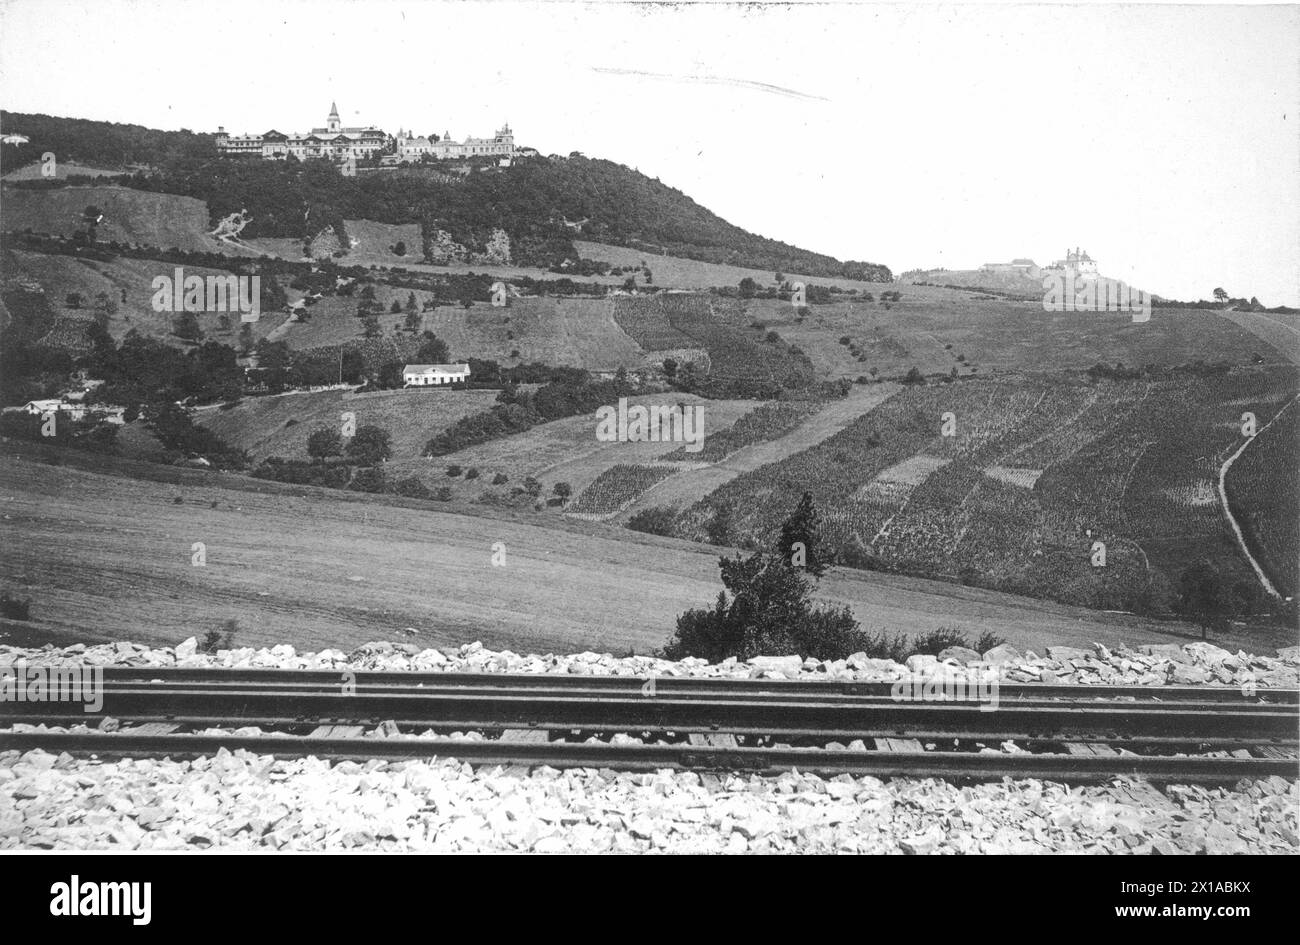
(395, 308)
(413, 321)
(1220, 295)
(245, 339)
(370, 327)
(73, 300)
(769, 612)
(370, 446)
(433, 350)
(748, 287)
(186, 327)
(324, 442)
(1205, 597)
(562, 491)
(532, 486)
(400, 248)
(800, 537)
(719, 527)
(670, 368)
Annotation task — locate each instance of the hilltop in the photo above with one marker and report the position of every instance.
(541, 203)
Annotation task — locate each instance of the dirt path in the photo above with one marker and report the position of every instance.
(687, 487)
(1223, 498)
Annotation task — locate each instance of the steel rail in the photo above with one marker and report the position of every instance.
(475, 708)
(675, 684)
(1072, 769)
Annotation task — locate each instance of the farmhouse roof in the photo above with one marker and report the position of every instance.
(445, 368)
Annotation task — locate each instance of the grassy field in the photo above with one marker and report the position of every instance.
(130, 216)
(937, 330)
(60, 276)
(102, 556)
(693, 274)
(574, 332)
(279, 425)
(62, 171)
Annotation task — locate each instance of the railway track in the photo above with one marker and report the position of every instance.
(1067, 733)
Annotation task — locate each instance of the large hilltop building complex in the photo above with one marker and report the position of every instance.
(502, 144)
(336, 142)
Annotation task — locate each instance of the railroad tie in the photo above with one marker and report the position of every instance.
(153, 728)
(712, 740)
(898, 744)
(337, 731)
(526, 736)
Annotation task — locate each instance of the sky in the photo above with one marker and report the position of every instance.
(1164, 140)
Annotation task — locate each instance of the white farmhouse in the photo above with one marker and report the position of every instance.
(435, 375)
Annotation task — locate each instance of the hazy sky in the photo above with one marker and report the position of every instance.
(1162, 139)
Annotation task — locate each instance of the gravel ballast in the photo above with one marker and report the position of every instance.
(244, 801)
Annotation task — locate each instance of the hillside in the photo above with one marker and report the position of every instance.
(542, 203)
(315, 569)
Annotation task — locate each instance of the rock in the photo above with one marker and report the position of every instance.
(1289, 654)
(1002, 654)
(778, 664)
(1182, 675)
(187, 649)
(1206, 652)
(1063, 653)
(961, 654)
(920, 662)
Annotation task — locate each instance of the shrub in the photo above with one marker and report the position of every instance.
(453, 470)
(12, 608)
(936, 641)
(224, 638)
(443, 494)
(367, 479)
(769, 613)
(654, 521)
(500, 479)
(471, 473)
(987, 641)
(412, 487)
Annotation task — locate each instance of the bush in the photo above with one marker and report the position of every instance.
(12, 608)
(769, 613)
(987, 641)
(471, 473)
(936, 641)
(443, 494)
(367, 479)
(453, 470)
(659, 520)
(412, 488)
(500, 479)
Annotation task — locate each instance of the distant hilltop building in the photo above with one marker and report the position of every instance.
(1076, 263)
(501, 144)
(333, 141)
(337, 142)
(1016, 265)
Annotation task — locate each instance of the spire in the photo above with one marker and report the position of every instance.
(334, 111)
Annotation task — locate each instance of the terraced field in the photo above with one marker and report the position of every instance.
(1264, 491)
(1035, 472)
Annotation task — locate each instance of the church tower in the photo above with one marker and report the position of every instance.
(333, 125)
